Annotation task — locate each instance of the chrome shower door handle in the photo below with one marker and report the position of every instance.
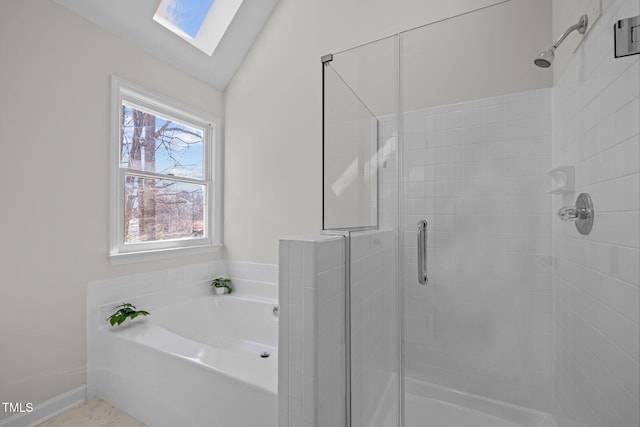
(422, 252)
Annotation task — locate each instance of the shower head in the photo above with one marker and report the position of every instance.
(545, 58)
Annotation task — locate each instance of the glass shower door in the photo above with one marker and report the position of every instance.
(476, 146)
(463, 141)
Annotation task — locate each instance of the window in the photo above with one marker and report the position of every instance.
(163, 195)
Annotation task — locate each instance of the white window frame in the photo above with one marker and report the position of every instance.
(121, 252)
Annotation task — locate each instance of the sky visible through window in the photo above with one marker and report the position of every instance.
(187, 15)
(178, 147)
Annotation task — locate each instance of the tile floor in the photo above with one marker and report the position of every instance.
(94, 413)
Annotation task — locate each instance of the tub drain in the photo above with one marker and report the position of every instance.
(264, 355)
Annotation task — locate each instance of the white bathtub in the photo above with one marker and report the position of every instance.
(195, 363)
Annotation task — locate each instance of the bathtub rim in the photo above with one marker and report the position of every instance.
(144, 332)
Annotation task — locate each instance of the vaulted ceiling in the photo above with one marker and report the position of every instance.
(133, 21)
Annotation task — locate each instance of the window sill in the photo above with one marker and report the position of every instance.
(159, 254)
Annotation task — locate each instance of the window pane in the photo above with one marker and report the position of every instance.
(161, 209)
(152, 143)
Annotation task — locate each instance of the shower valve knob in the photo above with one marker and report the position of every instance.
(573, 213)
(582, 213)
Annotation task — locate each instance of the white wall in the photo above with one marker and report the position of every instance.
(273, 110)
(596, 127)
(54, 170)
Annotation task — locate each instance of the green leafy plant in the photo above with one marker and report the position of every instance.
(222, 282)
(126, 311)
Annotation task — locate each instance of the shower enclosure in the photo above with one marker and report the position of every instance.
(455, 154)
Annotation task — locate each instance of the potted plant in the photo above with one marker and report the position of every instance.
(222, 285)
(125, 311)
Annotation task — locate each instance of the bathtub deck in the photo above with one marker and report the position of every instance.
(94, 413)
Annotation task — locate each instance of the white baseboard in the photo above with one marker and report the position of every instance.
(48, 409)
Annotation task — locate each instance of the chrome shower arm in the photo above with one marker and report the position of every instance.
(545, 58)
(581, 26)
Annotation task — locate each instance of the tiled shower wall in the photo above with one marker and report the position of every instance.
(596, 118)
(374, 349)
(476, 172)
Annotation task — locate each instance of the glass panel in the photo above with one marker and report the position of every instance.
(350, 157)
(360, 144)
(160, 209)
(153, 143)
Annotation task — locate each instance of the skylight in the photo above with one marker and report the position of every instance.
(202, 23)
(186, 15)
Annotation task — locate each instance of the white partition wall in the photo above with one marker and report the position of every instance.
(312, 351)
(311, 376)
